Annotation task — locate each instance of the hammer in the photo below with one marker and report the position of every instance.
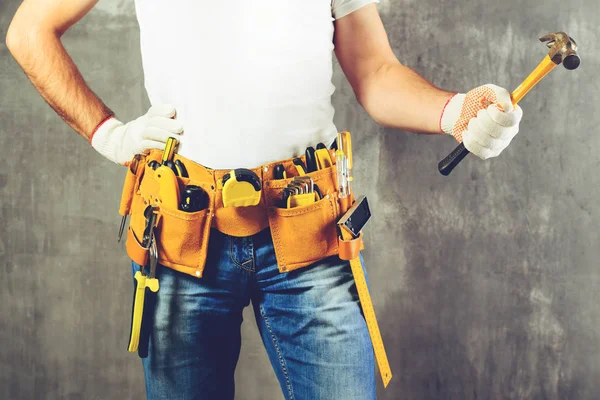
(563, 49)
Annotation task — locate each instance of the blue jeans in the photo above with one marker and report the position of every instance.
(310, 322)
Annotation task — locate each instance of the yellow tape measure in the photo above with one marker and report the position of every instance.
(371, 320)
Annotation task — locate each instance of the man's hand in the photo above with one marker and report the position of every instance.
(120, 142)
(484, 119)
(397, 97)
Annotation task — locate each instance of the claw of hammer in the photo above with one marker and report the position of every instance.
(563, 49)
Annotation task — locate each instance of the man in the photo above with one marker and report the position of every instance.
(250, 84)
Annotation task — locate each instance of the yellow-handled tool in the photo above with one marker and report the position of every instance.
(145, 288)
(168, 184)
(563, 49)
(142, 282)
(241, 188)
(343, 156)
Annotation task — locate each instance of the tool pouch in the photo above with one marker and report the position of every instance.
(182, 237)
(306, 234)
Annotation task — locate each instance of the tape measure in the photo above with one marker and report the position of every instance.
(369, 313)
(241, 188)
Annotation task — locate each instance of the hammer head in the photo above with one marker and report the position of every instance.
(563, 49)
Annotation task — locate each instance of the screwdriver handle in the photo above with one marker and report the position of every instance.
(447, 164)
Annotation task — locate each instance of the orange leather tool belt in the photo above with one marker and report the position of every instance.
(301, 235)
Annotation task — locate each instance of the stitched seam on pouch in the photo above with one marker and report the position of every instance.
(275, 184)
(205, 238)
(277, 241)
(317, 206)
(288, 383)
(333, 216)
(172, 214)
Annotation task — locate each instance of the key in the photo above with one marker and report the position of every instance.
(307, 182)
(286, 193)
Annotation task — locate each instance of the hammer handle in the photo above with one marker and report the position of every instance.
(453, 159)
(537, 75)
(447, 164)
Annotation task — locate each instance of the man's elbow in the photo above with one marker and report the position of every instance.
(20, 39)
(13, 39)
(369, 101)
(368, 92)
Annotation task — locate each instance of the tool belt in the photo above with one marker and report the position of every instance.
(301, 235)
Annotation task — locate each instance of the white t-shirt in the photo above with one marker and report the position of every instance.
(251, 80)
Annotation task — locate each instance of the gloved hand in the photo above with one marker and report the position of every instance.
(484, 119)
(121, 142)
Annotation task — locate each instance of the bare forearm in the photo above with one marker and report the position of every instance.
(56, 77)
(397, 97)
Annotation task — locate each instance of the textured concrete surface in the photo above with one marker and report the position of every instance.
(485, 283)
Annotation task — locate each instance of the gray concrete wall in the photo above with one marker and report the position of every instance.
(486, 283)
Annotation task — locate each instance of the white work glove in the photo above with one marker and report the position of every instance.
(484, 119)
(121, 142)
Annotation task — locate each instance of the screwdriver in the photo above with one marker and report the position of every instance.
(133, 166)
